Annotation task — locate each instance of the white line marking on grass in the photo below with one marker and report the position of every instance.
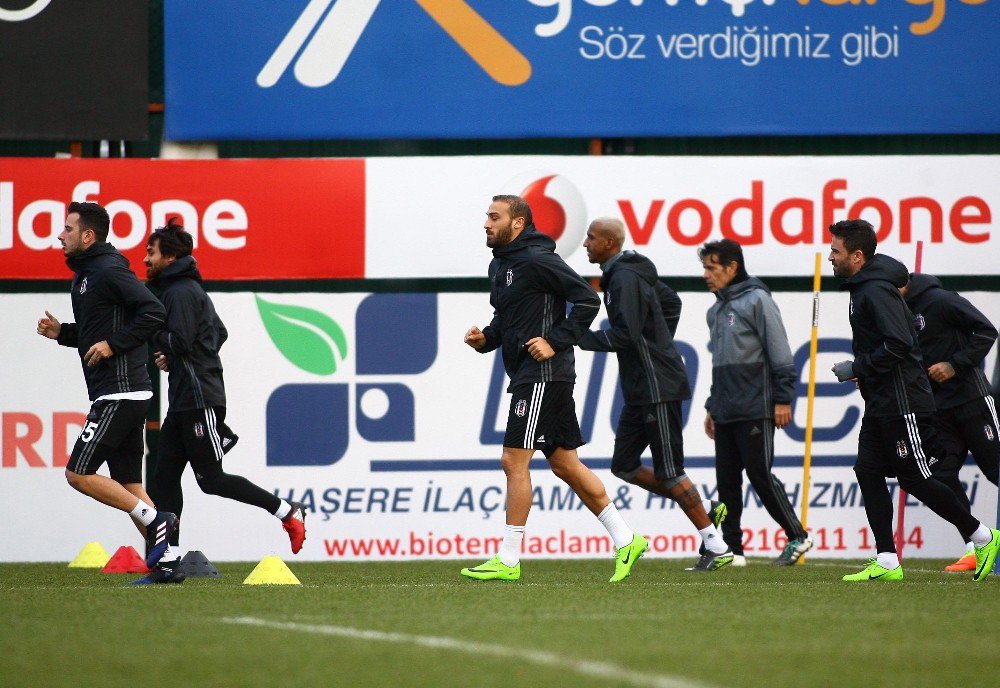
(602, 670)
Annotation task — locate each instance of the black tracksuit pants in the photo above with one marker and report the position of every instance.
(749, 445)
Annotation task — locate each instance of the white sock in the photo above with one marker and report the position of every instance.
(510, 548)
(970, 547)
(713, 540)
(982, 536)
(283, 510)
(888, 560)
(619, 531)
(144, 513)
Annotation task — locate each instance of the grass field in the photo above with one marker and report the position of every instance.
(562, 624)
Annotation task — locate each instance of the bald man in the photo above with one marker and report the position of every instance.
(643, 314)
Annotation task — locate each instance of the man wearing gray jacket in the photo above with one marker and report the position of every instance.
(753, 383)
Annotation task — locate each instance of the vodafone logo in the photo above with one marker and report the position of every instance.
(556, 205)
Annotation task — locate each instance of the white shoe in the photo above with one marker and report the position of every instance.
(739, 560)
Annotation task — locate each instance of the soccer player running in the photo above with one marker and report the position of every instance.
(530, 287)
(897, 435)
(954, 339)
(188, 347)
(115, 316)
(643, 314)
(753, 384)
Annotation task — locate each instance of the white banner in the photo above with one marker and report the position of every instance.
(371, 410)
(431, 210)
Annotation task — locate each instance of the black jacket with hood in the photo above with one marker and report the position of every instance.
(530, 287)
(111, 304)
(951, 330)
(191, 338)
(887, 359)
(643, 313)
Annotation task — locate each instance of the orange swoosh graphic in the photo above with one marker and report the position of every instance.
(491, 51)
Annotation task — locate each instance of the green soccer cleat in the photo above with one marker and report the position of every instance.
(986, 556)
(874, 571)
(718, 513)
(494, 569)
(626, 557)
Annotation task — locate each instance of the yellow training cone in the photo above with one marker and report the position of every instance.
(271, 571)
(92, 556)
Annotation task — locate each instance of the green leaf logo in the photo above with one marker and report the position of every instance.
(298, 332)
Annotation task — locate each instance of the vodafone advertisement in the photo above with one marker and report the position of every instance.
(431, 210)
(250, 219)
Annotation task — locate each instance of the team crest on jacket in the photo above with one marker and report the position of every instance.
(83, 285)
(199, 430)
(901, 449)
(850, 307)
(520, 408)
(919, 322)
(988, 431)
(730, 318)
(607, 298)
(510, 277)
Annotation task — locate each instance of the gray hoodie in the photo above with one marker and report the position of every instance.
(752, 365)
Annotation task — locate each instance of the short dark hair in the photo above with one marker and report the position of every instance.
(857, 235)
(93, 217)
(173, 239)
(518, 206)
(726, 251)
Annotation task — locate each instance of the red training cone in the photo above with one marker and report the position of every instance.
(125, 560)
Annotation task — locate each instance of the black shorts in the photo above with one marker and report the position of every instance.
(543, 416)
(112, 434)
(906, 447)
(193, 437)
(657, 426)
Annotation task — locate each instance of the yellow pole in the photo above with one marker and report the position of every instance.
(813, 349)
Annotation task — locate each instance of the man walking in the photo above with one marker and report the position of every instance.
(753, 384)
(643, 314)
(531, 286)
(188, 347)
(115, 316)
(954, 339)
(897, 435)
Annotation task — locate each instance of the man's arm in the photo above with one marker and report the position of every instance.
(774, 341)
(965, 317)
(670, 306)
(626, 316)
(148, 313)
(493, 334)
(563, 281)
(180, 331)
(892, 323)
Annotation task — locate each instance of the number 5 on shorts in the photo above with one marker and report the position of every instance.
(88, 432)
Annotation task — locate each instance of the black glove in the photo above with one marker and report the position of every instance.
(844, 371)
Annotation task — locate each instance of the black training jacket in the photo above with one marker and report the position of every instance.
(887, 359)
(951, 330)
(191, 338)
(643, 313)
(111, 304)
(530, 287)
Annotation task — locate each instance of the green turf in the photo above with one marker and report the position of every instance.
(757, 626)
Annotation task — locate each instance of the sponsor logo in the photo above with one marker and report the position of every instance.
(32, 10)
(901, 449)
(309, 424)
(323, 37)
(541, 438)
(557, 207)
(520, 408)
(199, 430)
